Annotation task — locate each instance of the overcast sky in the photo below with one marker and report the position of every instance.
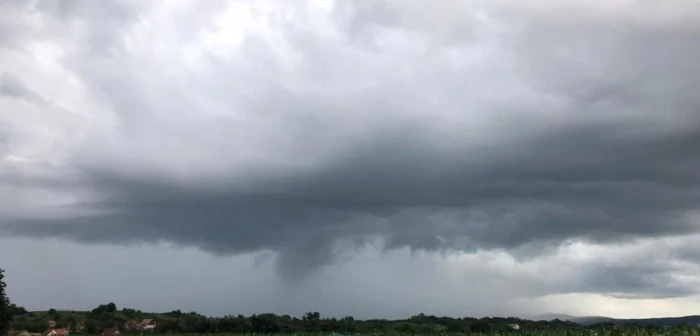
(373, 158)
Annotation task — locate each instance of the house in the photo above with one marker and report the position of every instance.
(18, 333)
(514, 326)
(79, 327)
(133, 325)
(110, 332)
(55, 332)
(148, 324)
(51, 323)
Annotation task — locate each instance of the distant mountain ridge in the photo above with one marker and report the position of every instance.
(654, 321)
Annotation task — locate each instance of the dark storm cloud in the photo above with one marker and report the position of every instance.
(586, 184)
(534, 184)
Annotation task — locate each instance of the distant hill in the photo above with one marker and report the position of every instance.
(656, 321)
(550, 317)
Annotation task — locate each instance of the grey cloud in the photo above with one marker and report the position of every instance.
(445, 22)
(106, 20)
(643, 279)
(361, 22)
(12, 86)
(587, 157)
(12, 32)
(5, 139)
(688, 252)
(658, 268)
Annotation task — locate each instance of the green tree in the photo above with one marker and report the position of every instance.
(17, 310)
(6, 308)
(103, 313)
(129, 313)
(91, 327)
(68, 322)
(311, 321)
(480, 327)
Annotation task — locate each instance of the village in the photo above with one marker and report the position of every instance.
(145, 325)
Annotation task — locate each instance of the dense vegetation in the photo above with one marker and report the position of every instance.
(6, 312)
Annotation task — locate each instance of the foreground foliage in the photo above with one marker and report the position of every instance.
(6, 308)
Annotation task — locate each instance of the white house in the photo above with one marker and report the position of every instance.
(148, 324)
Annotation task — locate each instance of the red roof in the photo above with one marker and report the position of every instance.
(59, 331)
(110, 332)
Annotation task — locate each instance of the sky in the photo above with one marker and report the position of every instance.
(375, 158)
